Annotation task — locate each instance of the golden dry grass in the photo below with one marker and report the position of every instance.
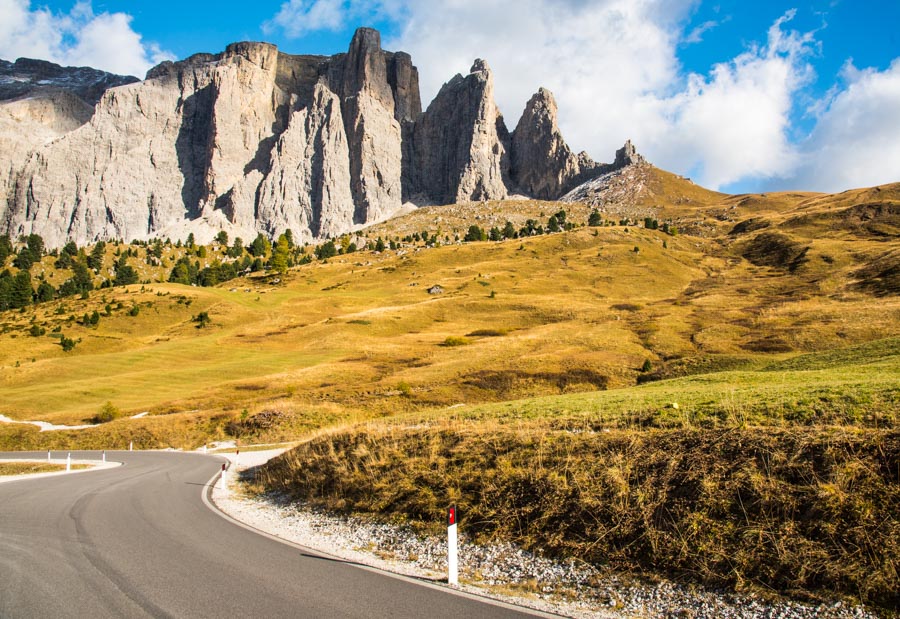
(359, 337)
(688, 397)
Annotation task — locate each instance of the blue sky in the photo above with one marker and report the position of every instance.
(738, 95)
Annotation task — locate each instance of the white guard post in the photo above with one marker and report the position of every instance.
(48, 455)
(222, 477)
(69, 462)
(452, 547)
(104, 455)
(130, 445)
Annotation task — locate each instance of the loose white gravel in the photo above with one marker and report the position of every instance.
(502, 571)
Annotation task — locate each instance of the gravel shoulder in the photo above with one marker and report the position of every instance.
(500, 571)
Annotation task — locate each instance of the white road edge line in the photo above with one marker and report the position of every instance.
(207, 490)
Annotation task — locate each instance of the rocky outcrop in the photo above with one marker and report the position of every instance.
(627, 155)
(373, 131)
(254, 140)
(39, 102)
(404, 80)
(461, 142)
(621, 189)
(308, 186)
(543, 165)
(27, 77)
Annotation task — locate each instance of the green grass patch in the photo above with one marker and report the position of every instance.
(30, 468)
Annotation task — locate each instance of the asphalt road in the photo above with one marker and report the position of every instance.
(138, 541)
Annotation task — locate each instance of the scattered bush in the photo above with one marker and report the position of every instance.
(202, 319)
(108, 412)
(454, 340)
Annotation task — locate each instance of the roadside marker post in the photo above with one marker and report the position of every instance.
(130, 445)
(452, 547)
(69, 462)
(222, 477)
(104, 455)
(48, 455)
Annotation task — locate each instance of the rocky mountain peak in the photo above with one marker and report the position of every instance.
(30, 77)
(481, 66)
(627, 155)
(461, 143)
(542, 164)
(263, 55)
(365, 67)
(255, 140)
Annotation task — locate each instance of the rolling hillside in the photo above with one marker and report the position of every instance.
(695, 370)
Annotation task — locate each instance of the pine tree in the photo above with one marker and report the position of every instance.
(21, 294)
(281, 255)
(95, 260)
(6, 249)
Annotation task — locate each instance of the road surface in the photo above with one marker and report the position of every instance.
(138, 541)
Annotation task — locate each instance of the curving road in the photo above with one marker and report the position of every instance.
(138, 541)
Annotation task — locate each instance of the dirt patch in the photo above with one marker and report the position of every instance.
(768, 344)
(256, 424)
(882, 276)
(503, 382)
(749, 225)
(876, 219)
(773, 249)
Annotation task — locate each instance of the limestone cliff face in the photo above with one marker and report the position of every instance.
(373, 131)
(308, 186)
(461, 142)
(542, 163)
(40, 102)
(248, 140)
(254, 140)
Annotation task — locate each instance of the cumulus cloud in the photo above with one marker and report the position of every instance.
(733, 124)
(856, 141)
(600, 59)
(613, 66)
(614, 69)
(80, 37)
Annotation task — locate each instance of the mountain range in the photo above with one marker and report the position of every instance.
(253, 140)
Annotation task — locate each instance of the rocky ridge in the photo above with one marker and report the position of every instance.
(255, 140)
(27, 77)
(617, 188)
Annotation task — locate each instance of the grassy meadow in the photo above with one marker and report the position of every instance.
(718, 403)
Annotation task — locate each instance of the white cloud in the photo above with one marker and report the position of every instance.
(299, 17)
(105, 41)
(696, 35)
(613, 67)
(599, 58)
(856, 141)
(733, 124)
